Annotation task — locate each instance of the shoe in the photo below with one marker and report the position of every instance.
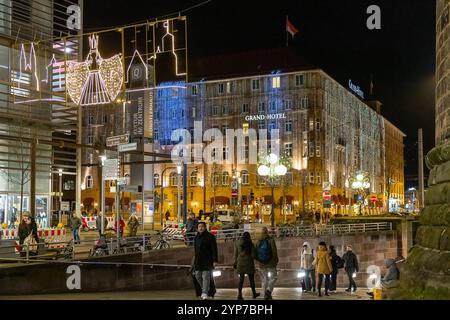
(204, 296)
(240, 298)
(267, 295)
(256, 295)
(348, 290)
(326, 293)
(320, 294)
(354, 289)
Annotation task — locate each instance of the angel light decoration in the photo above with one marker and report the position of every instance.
(96, 80)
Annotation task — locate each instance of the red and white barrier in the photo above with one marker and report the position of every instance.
(90, 222)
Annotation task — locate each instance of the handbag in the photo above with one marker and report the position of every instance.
(30, 243)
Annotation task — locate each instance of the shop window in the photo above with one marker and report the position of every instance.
(245, 177)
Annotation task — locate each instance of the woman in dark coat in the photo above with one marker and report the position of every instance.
(27, 226)
(244, 255)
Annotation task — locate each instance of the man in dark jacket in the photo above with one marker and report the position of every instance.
(267, 268)
(336, 263)
(351, 267)
(205, 257)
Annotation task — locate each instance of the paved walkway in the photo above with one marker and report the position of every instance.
(222, 294)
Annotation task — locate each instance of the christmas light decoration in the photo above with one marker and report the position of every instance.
(166, 25)
(96, 80)
(25, 66)
(137, 54)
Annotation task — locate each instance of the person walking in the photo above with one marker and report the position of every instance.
(167, 215)
(324, 268)
(267, 255)
(26, 227)
(351, 267)
(336, 263)
(75, 222)
(98, 223)
(244, 255)
(121, 224)
(205, 247)
(308, 264)
(191, 229)
(133, 224)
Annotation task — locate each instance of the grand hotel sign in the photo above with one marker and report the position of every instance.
(262, 117)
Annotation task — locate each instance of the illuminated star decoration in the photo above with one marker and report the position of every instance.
(96, 80)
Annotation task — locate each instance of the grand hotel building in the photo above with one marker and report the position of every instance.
(327, 130)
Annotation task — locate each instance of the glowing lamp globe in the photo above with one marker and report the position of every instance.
(272, 158)
(356, 185)
(359, 177)
(366, 185)
(280, 170)
(263, 170)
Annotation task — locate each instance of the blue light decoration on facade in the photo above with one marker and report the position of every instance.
(170, 110)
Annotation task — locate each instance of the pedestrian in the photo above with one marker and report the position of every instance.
(75, 222)
(98, 223)
(121, 225)
(308, 265)
(200, 215)
(317, 215)
(351, 267)
(336, 263)
(266, 254)
(244, 255)
(324, 268)
(391, 278)
(191, 228)
(167, 215)
(133, 224)
(26, 228)
(257, 217)
(205, 258)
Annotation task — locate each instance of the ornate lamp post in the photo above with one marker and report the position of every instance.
(359, 181)
(272, 167)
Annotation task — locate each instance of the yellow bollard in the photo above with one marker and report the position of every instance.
(377, 294)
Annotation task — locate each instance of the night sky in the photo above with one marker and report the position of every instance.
(332, 34)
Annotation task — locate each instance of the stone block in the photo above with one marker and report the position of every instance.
(438, 194)
(429, 237)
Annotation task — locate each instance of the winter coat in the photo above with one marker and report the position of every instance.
(122, 226)
(98, 222)
(75, 222)
(191, 225)
(334, 261)
(244, 262)
(133, 222)
(205, 251)
(393, 274)
(272, 263)
(25, 229)
(323, 264)
(350, 262)
(307, 257)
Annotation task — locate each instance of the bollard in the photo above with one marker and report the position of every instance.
(377, 294)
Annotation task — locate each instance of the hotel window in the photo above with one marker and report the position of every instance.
(214, 154)
(289, 178)
(225, 127)
(173, 179)
(304, 103)
(245, 177)
(319, 178)
(305, 124)
(156, 180)
(305, 149)
(194, 90)
(317, 125)
(288, 126)
(276, 82)
(174, 114)
(245, 108)
(261, 180)
(288, 149)
(215, 110)
(311, 125)
(311, 149)
(287, 104)
(155, 134)
(90, 139)
(261, 107)
(225, 178)
(311, 177)
(193, 179)
(245, 128)
(318, 150)
(225, 153)
(225, 110)
(221, 88)
(216, 179)
(111, 119)
(193, 111)
(91, 120)
(175, 92)
(272, 106)
(272, 126)
(89, 182)
(261, 125)
(299, 80)
(229, 87)
(255, 84)
(105, 118)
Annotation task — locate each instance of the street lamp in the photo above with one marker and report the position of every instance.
(103, 159)
(360, 181)
(60, 193)
(179, 191)
(272, 167)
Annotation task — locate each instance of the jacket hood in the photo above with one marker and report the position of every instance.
(389, 262)
(308, 247)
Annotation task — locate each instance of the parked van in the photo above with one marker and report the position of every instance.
(225, 215)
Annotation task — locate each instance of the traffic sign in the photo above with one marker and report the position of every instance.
(123, 181)
(65, 205)
(116, 140)
(127, 147)
(327, 195)
(111, 169)
(131, 189)
(373, 198)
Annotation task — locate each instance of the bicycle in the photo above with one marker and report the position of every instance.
(161, 243)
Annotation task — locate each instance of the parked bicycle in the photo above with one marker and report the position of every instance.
(161, 243)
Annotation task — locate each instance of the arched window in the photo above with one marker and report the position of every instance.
(225, 178)
(245, 177)
(216, 179)
(156, 181)
(89, 182)
(194, 179)
(174, 179)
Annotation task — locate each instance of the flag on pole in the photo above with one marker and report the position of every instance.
(290, 27)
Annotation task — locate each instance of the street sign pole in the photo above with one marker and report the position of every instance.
(118, 204)
(103, 199)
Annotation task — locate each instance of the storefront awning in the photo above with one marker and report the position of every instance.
(220, 200)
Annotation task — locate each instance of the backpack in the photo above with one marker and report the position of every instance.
(264, 251)
(339, 262)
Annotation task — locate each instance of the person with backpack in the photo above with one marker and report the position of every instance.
(324, 267)
(244, 255)
(337, 263)
(266, 254)
(205, 246)
(351, 267)
(308, 265)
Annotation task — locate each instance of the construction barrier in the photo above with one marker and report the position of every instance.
(90, 222)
